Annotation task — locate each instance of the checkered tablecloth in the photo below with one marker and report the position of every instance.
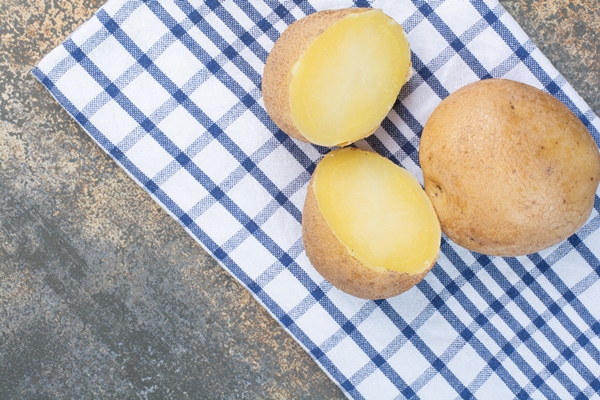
(171, 90)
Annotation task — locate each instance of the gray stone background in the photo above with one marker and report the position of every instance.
(102, 294)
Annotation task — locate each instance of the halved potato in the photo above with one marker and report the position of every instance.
(510, 169)
(368, 227)
(333, 76)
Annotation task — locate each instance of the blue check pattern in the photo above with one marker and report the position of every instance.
(171, 90)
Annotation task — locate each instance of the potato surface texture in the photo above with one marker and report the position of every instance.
(333, 76)
(368, 227)
(509, 169)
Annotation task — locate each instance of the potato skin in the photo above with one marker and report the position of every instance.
(331, 259)
(510, 170)
(286, 51)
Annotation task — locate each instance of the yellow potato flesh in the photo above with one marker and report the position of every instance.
(348, 79)
(378, 210)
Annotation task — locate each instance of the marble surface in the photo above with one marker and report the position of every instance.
(102, 294)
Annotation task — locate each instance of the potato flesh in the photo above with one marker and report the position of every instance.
(348, 79)
(378, 211)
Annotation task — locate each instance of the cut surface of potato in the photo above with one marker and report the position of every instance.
(333, 76)
(377, 232)
(510, 169)
(378, 210)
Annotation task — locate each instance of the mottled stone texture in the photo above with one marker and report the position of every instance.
(102, 294)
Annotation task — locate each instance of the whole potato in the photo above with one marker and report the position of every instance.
(510, 170)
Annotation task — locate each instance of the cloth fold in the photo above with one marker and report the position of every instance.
(171, 91)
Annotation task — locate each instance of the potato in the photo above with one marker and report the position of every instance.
(509, 169)
(367, 225)
(333, 76)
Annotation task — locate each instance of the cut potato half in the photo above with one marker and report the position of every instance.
(333, 76)
(368, 226)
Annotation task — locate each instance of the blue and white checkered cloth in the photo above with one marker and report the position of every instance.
(171, 90)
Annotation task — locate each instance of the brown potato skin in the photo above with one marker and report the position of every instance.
(286, 51)
(510, 170)
(331, 259)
